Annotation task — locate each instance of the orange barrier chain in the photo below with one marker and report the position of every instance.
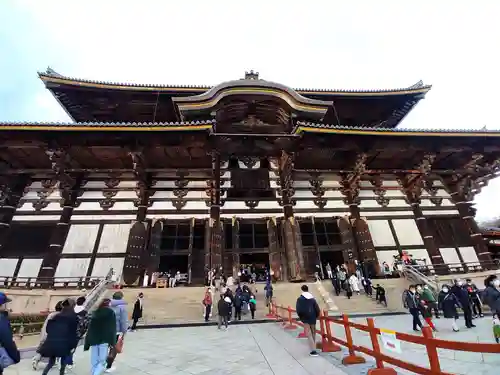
(329, 343)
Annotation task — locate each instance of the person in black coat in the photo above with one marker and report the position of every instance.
(137, 312)
(223, 309)
(463, 298)
(448, 303)
(308, 311)
(336, 283)
(6, 339)
(61, 338)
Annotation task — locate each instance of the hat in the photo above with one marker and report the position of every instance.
(4, 299)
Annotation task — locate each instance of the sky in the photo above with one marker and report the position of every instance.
(335, 44)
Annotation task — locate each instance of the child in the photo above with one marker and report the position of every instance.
(380, 295)
(253, 306)
(496, 328)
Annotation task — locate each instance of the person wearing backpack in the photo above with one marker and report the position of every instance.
(308, 311)
(238, 303)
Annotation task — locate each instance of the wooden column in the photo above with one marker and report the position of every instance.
(462, 190)
(69, 195)
(235, 226)
(215, 223)
(11, 193)
(412, 187)
(291, 230)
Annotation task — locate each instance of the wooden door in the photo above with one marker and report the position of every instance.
(274, 249)
(346, 238)
(132, 266)
(208, 244)
(366, 249)
(154, 247)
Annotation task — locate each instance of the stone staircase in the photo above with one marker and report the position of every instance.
(179, 305)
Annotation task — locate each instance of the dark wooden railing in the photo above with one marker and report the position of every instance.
(9, 282)
(330, 343)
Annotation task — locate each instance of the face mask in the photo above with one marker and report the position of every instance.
(419, 289)
(496, 283)
(412, 290)
(445, 290)
(460, 283)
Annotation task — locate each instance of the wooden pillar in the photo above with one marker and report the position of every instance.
(235, 226)
(291, 230)
(462, 190)
(412, 188)
(215, 223)
(190, 248)
(69, 195)
(11, 194)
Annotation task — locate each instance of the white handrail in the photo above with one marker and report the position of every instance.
(411, 272)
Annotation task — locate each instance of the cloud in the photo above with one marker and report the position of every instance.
(326, 44)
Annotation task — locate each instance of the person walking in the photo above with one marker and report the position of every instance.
(137, 311)
(253, 306)
(269, 292)
(308, 312)
(238, 303)
(427, 296)
(354, 282)
(119, 307)
(61, 338)
(223, 308)
(101, 336)
(448, 303)
(43, 335)
(474, 298)
(463, 298)
(336, 283)
(207, 303)
(342, 276)
(329, 272)
(412, 303)
(491, 294)
(6, 337)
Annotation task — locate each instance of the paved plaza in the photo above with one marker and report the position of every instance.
(254, 349)
(267, 349)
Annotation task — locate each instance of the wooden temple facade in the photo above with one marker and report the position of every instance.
(203, 177)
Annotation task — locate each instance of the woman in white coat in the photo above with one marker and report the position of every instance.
(354, 283)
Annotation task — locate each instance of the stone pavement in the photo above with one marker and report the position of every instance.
(454, 362)
(254, 349)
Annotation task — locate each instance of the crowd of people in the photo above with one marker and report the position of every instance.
(242, 301)
(102, 332)
(420, 301)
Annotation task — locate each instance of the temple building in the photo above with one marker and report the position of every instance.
(152, 177)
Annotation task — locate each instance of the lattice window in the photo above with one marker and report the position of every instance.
(176, 237)
(253, 236)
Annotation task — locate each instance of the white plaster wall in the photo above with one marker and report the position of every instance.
(76, 218)
(30, 268)
(381, 233)
(387, 213)
(450, 256)
(407, 232)
(303, 194)
(180, 216)
(68, 267)
(114, 238)
(469, 255)
(81, 239)
(54, 218)
(330, 193)
(7, 267)
(440, 213)
(386, 256)
(102, 266)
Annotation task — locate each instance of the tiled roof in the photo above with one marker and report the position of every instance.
(105, 124)
(302, 124)
(52, 74)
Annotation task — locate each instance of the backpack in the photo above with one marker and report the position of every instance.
(405, 298)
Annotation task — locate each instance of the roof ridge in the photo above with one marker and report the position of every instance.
(85, 123)
(394, 130)
(52, 74)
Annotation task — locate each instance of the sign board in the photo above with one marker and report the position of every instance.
(390, 341)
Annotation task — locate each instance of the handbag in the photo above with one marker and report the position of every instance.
(5, 360)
